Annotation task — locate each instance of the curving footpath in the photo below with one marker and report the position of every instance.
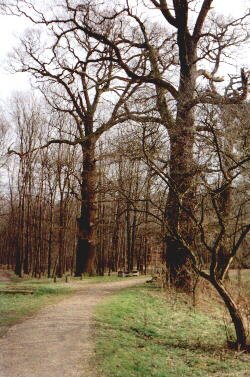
(58, 341)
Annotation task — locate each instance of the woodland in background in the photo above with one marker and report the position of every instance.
(40, 198)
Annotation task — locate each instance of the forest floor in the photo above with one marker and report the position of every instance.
(58, 340)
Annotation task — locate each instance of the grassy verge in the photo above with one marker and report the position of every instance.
(71, 279)
(141, 333)
(16, 307)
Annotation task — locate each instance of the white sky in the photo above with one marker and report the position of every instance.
(12, 27)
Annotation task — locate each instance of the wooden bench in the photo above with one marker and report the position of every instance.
(16, 290)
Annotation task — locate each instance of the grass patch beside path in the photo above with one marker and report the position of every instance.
(16, 307)
(71, 279)
(140, 333)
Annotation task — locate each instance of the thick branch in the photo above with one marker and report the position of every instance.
(162, 5)
(201, 19)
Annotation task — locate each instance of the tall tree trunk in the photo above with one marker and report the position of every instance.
(133, 239)
(182, 188)
(181, 195)
(51, 209)
(115, 238)
(128, 234)
(86, 239)
(181, 132)
(20, 237)
(61, 232)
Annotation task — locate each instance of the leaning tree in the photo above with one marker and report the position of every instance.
(220, 222)
(220, 219)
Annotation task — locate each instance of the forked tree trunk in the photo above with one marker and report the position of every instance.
(240, 331)
(86, 239)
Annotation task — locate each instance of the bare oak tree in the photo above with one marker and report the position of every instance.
(76, 75)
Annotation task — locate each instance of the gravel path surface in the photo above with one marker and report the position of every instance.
(57, 342)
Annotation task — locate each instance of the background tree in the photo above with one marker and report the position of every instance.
(75, 76)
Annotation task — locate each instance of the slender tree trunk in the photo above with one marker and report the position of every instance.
(234, 313)
(59, 271)
(86, 239)
(20, 237)
(133, 239)
(51, 208)
(27, 249)
(115, 238)
(128, 234)
(18, 263)
(225, 210)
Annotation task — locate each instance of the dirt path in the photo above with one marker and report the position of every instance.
(57, 342)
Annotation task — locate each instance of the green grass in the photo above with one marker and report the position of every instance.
(15, 307)
(102, 279)
(142, 333)
(44, 280)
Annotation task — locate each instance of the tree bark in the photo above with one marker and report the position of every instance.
(51, 209)
(181, 195)
(224, 200)
(181, 132)
(235, 314)
(128, 235)
(61, 241)
(86, 238)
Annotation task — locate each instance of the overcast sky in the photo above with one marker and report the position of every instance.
(12, 27)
